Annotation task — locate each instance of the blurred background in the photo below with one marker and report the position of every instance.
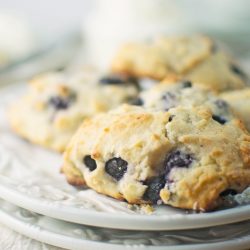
(37, 36)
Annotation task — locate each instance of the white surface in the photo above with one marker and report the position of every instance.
(50, 18)
(29, 177)
(113, 22)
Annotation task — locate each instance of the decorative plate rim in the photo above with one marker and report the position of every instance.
(123, 221)
(33, 230)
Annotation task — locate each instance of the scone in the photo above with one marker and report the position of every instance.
(172, 93)
(192, 57)
(183, 157)
(56, 103)
(240, 101)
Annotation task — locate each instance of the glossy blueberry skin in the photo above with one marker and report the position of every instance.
(219, 119)
(89, 162)
(152, 192)
(116, 167)
(177, 159)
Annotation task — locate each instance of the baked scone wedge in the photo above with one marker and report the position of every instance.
(55, 104)
(193, 57)
(183, 157)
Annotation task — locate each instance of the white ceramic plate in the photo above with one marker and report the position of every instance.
(74, 236)
(30, 178)
(76, 211)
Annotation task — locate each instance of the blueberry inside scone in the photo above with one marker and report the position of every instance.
(56, 103)
(182, 157)
(170, 94)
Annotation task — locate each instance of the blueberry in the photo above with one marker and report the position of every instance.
(237, 70)
(89, 162)
(116, 167)
(170, 118)
(111, 80)
(116, 79)
(58, 102)
(169, 100)
(137, 102)
(177, 159)
(186, 84)
(221, 104)
(219, 119)
(228, 192)
(153, 190)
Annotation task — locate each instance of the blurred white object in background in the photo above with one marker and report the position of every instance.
(114, 21)
(227, 20)
(16, 37)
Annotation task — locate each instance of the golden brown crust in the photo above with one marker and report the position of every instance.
(74, 176)
(105, 131)
(75, 181)
(145, 139)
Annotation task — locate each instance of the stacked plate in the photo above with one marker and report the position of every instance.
(37, 202)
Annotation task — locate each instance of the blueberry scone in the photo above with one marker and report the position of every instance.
(172, 93)
(240, 102)
(193, 57)
(183, 157)
(56, 103)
